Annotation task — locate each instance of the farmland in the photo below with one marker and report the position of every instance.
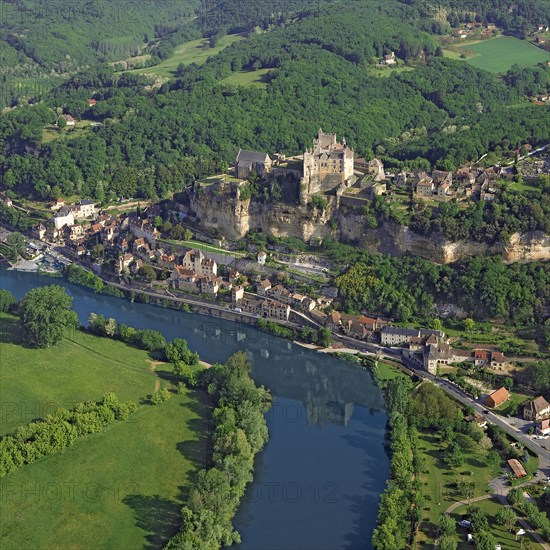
(499, 54)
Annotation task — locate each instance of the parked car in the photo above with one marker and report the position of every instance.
(465, 523)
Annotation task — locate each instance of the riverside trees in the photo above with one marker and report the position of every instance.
(239, 432)
(44, 314)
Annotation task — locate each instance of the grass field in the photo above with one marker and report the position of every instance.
(196, 51)
(52, 132)
(498, 54)
(120, 488)
(33, 382)
(437, 478)
(503, 537)
(247, 78)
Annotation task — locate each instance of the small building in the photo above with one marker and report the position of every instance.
(497, 398)
(543, 428)
(536, 409)
(263, 286)
(252, 161)
(6, 200)
(375, 167)
(70, 121)
(389, 59)
(517, 468)
(91, 102)
(498, 361)
(262, 257)
(63, 217)
(58, 204)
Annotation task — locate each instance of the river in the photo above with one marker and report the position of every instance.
(318, 481)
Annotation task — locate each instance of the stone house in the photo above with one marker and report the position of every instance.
(263, 287)
(393, 336)
(252, 161)
(536, 409)
(198, 262)
(62, 217)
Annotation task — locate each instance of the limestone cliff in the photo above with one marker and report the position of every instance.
(223, 210)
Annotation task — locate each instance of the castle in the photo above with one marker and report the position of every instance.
(327, 166)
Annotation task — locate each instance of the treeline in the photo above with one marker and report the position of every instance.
(239, 432)
(147, 339)
(537, 518)
(410, 287)
(79, 276)
(59, 430)
(518, 19)
(394, 512)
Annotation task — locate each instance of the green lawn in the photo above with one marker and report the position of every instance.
(498, 54)
(387, 71)
(437, 478)
(196, 51)
(504, 538)
(120, 488)
(52, 132)
(33, 382)
(524, 187)
(247, 78)
(387, 371)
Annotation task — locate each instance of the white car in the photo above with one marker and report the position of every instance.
(538, 437)
(465, 523)
(498, 547)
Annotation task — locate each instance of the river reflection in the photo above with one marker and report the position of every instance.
(318, 481)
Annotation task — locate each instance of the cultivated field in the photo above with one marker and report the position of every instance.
(120, 488)
(498, 54)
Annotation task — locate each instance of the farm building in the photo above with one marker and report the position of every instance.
(497, 398)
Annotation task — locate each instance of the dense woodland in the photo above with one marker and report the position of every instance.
(403, 288)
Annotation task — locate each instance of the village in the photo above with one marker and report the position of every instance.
(130, 248)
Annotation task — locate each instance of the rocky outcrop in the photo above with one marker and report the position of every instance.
(224, 211)
(221, 209)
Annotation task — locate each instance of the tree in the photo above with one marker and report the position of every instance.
(506, 516)
(152, 340)
(469, 325)
(448, 543)
(147, 272)
(485, 541)
(178, 350)
(7, 301)
(508, 383)
(479, 520)
(446, 525)
(436, 324)
(324, 337)
(44, 313)
(16, 242)
(187, 235)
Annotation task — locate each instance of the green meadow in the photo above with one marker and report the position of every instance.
(196, 51)
(498, 54)
(120, 488)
